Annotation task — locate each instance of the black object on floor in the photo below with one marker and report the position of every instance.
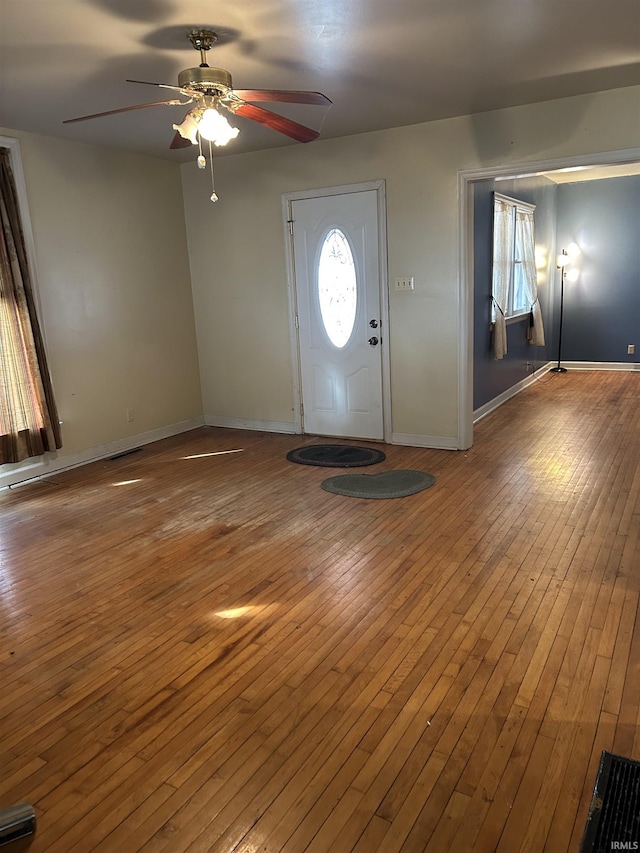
(335, 455)
(124, 453)
(17, 827)
(614, 813)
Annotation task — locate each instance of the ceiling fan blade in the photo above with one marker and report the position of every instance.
(284, 96)
(125, 110)
(283, 125)
(162, 86)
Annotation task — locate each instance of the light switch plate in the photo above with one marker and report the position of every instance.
(404, 284)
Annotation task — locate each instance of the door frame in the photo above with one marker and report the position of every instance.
(346, 189)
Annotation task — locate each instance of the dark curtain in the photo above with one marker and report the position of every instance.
(29, 423)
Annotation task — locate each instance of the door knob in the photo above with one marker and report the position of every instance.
(373, 341)
(373, 324)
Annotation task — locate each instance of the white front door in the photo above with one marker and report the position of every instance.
(338, 296)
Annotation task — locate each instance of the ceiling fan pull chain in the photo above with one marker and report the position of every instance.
(214, 194)
(201, 160)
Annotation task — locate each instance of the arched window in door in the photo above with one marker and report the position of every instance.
(337, 288)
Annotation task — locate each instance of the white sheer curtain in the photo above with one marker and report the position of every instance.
(503, 249)
(524, 221)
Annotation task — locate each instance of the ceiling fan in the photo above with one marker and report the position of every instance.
(210, 89)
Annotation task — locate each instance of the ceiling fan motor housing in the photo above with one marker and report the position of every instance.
(206, 80)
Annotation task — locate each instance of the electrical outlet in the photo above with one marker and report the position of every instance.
(404, 284)
(130, 416)
(631, 349)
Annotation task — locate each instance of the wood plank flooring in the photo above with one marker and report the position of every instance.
(201, 650)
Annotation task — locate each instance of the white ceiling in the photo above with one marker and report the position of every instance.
(578, 174)
(383, 63)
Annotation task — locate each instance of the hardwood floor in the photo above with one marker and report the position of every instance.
(202, 650)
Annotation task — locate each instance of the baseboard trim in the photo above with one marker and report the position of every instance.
(630, 366)
(432, 442)
(435, 442)
(249, 423)
(492, 405)
(44, 466)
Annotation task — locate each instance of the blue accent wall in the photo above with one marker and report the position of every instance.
(491, 377)
(602, 308)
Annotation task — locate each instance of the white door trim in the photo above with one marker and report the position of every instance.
(465, 260)
(287, 199)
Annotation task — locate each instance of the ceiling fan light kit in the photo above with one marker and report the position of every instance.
(210, 90)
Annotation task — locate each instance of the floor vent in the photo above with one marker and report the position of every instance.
(124, 453)
(614, 814)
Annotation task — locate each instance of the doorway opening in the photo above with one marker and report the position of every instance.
(618, 162)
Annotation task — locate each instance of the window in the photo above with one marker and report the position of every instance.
(514, 289)
(28, 421)
(337, 288)
(510, 250)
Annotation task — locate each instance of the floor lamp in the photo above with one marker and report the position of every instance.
(561, 263)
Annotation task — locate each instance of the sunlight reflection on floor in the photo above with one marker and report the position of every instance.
(215, 453)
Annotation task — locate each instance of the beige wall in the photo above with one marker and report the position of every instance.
(237, 248)
(114, 288)
(115, 284)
